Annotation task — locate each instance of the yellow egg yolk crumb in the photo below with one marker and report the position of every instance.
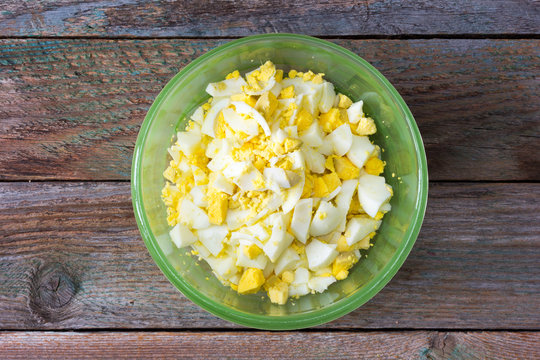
(345, 169)
(366, 126)
(279, 293)
(217, 207)
(331, 120)
(304, 119)
(233, 75)
(374, 166)
(287, 92)
(287, 276)
(342, 264)
(344, 101)
(251, 281)
(252, 251)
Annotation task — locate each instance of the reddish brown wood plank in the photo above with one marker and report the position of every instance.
(271, 345)
(71, 109)
(225, 18)
(474, 266)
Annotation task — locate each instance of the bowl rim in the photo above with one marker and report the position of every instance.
(294, 321)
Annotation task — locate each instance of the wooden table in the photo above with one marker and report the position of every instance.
(76, 78)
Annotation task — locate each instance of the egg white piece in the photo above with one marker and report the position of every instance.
(286, 261)
(209, 123)
(200, 249)
(301, 219)
(315, 161)
(326, 219)
(359, 227)
(184, 166)
(313, 136)
(320, 283)
(333, 237)
(341, 139)
(221, 183)
(328, 95)
(360, 150)
(174, 151)
(292, 131)
(182, 236)
(301, 276)
(293, 195)
(373, 192)
(224, 267)
(236, 218)
(300, 87)
(276, 89)
(226, 87)
(239, 123)
(327, 146)
(243, 260)
(279, 240)
(279, 135)
(188, 141)
(258, 231)
(386, 206)
(320, 254)
(243, 108)
(246, 181)
(199, 175)
(355, 112)
(218, 147)
(298, 290)
(212, 238)
(235, 169)
(344, 198)
(198, 194)
(311, 101)
(277, 176)
(198, 115)
(193, 215)
(333, 194)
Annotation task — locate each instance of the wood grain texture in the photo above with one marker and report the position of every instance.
(229, 18)
(71, 109)
(71, 257)
(271, 345)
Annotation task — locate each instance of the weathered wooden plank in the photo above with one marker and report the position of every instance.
(71, 257)
(271, 345)
(219, 18)
(71, 109)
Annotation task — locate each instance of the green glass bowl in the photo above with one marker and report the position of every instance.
(406, 171)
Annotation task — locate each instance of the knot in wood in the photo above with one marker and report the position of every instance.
(442, 345)
(51, 291)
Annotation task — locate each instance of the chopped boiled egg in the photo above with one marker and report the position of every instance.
(360, 150)
(182, 236)
(275, 183)
(301, 219)
(373, 192)
(320, 254)
(326, 219)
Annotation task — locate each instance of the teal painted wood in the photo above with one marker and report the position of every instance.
(219, 18)
(249, 345)
(71, 109)
(71, 257)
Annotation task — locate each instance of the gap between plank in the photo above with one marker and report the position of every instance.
(525, 36)
(241, 330)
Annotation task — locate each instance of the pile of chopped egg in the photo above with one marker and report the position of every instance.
(275, 183)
